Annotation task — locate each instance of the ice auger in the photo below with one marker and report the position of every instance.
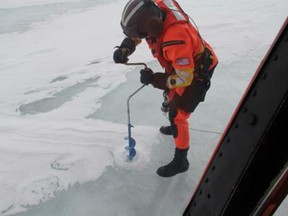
(131, 141)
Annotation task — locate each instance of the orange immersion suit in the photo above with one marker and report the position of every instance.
(189, 62)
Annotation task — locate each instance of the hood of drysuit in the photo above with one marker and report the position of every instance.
(141, 18)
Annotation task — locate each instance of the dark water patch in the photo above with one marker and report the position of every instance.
(94, 62)
(146, 102)
(60, 78)
(57, 99)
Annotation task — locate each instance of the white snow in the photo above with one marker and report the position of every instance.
(27, 3)
(63, 108)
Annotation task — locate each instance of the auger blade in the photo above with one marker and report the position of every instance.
(131, 148)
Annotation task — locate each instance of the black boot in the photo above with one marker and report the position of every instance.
(166, 130)
(179, 164)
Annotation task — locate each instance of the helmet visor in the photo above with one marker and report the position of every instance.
(133, 32)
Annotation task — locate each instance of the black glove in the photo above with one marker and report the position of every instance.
(122, 52)
(121, 55)
(147, 76)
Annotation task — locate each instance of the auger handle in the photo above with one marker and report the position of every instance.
(135, 92)
(136, 63)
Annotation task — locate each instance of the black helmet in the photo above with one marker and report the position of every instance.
(141, 18)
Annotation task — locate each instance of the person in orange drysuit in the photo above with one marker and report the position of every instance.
(188, 60)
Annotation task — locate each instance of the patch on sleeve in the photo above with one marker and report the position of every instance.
(183, 61)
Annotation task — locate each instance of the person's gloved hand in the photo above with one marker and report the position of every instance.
(121, 55)
(147, 76)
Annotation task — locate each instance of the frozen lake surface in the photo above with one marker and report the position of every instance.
(63, 106)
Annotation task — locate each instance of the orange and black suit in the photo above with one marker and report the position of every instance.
(189, 62)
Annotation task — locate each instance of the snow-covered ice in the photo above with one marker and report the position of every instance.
(63, 106)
